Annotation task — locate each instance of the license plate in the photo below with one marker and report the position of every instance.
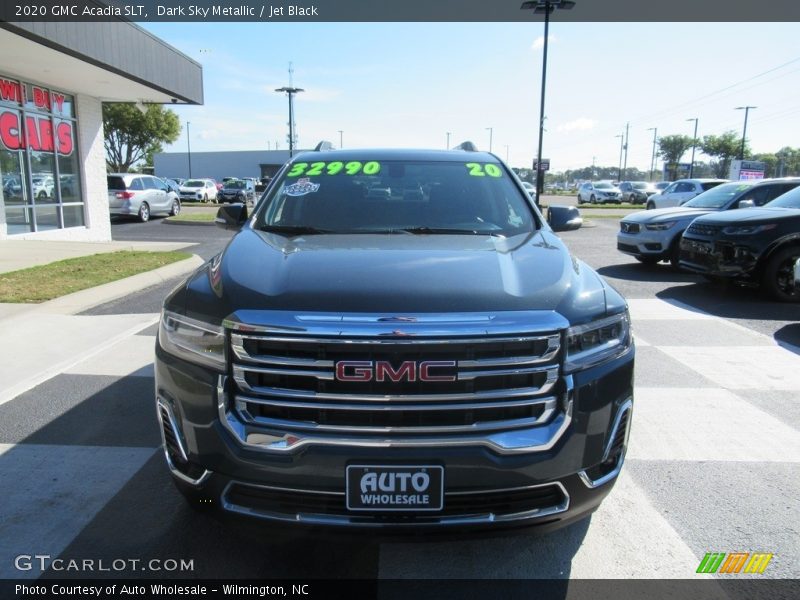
(395, 488)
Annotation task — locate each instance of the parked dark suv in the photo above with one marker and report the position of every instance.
(430, 358)
(752, 245)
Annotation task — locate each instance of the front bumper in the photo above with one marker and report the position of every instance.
(645, 243)
(485, 488)
(719, 258)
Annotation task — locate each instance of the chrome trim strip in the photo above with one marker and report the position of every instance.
(360, 520)
(291, 393)
(429, 429)
(549, 402)
(553, 346)
(551, 370)
(519, 441)
(627, 406)
(237, 344)
(327, 376)
(416, 340)
(161, 404)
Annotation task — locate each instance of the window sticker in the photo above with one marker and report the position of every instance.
(479, 170)
(353, 167)
(301, 188)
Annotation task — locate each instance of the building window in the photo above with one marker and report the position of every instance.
(39, 161)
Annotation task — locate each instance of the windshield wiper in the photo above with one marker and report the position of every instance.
(294, 229)
(422, 230)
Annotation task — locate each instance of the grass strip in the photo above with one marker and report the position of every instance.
(45, 282)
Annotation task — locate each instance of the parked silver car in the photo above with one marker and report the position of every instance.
(637, 192)
(141, 196)
(651, 236)
(681, 191)
(199, 190)
(598, 191)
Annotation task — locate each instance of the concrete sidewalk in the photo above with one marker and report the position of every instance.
(21, 254)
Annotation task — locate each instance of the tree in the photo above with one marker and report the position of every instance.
(724, 148)
(130, 135)
(672, 148)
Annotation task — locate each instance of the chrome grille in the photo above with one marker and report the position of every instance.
(704, 230)
(626, 227)
(497, 383)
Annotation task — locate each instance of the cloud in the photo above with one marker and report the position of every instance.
(580, 124)
(538, 43)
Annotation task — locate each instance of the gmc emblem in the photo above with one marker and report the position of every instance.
(381, 370)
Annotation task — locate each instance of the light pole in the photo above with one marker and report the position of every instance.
(625, 166)
(291, 91)
(448, 140)
(506, 145)
(341, 133)
(489, 129)
(189, 148)
(546, 7)
(621, 137)
(694, 145)
(653, 159)
(746, 110)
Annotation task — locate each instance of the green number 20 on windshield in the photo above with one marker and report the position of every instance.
(479, 170)
(352, 167)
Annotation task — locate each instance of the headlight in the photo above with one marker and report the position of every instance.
(596, 342)
(659, 226)
(747, 229)
(192, 340)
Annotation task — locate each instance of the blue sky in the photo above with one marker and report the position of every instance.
(407, 84)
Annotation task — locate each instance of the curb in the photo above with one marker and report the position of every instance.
(189, 223)
(89, 298)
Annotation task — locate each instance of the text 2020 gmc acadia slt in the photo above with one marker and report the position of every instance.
(395, 340)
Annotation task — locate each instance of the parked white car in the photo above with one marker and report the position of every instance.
(681, 191)
(598, 191)
(199, 190)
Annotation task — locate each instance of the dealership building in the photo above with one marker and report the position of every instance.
(54, 78)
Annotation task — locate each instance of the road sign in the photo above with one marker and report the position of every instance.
(545, 164)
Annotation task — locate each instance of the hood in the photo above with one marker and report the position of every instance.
(396, 273)
(190, 189)
(659, 215)
(747, 215)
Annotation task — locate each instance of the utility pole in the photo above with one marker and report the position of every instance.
(625, 166)
(621, 145)
(746, 110)
(490, 138)
(653, 160)
(694, 145)
(506, 145)
(341, 145)
(448, 140)
(189, 148)
(290, 91)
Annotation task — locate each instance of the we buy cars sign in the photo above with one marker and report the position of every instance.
(36, 132)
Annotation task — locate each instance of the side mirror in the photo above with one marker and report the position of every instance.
(564, 218)
(231, 216)
(747, 203)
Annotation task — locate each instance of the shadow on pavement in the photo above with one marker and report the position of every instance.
(654, 273)
(788, 336)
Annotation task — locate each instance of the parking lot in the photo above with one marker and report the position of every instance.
(713, 463)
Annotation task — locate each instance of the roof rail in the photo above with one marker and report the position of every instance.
(466, 146)
(323, 146)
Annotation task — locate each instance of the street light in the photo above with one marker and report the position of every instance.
(506, 145)
(189, 148)
(546, 7)
(621, 137)
(448, 140)
(489, 129)
(653, 159)
(694, 145)
(746, 110)
(291, 91)
(341, 133)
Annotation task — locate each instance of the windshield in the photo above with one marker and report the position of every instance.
(397, 197)
(194, 183)
(718, 196)
(788, 200)
(641, 185)
(236, 185)
(603, 186)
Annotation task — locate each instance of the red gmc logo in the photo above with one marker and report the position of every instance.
(381, 370)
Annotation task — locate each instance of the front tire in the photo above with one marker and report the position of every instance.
(144, 212)
(777, 279)
(205, 197)
(176, 208)
(647, 260)
(592, 199)
(650, 206)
